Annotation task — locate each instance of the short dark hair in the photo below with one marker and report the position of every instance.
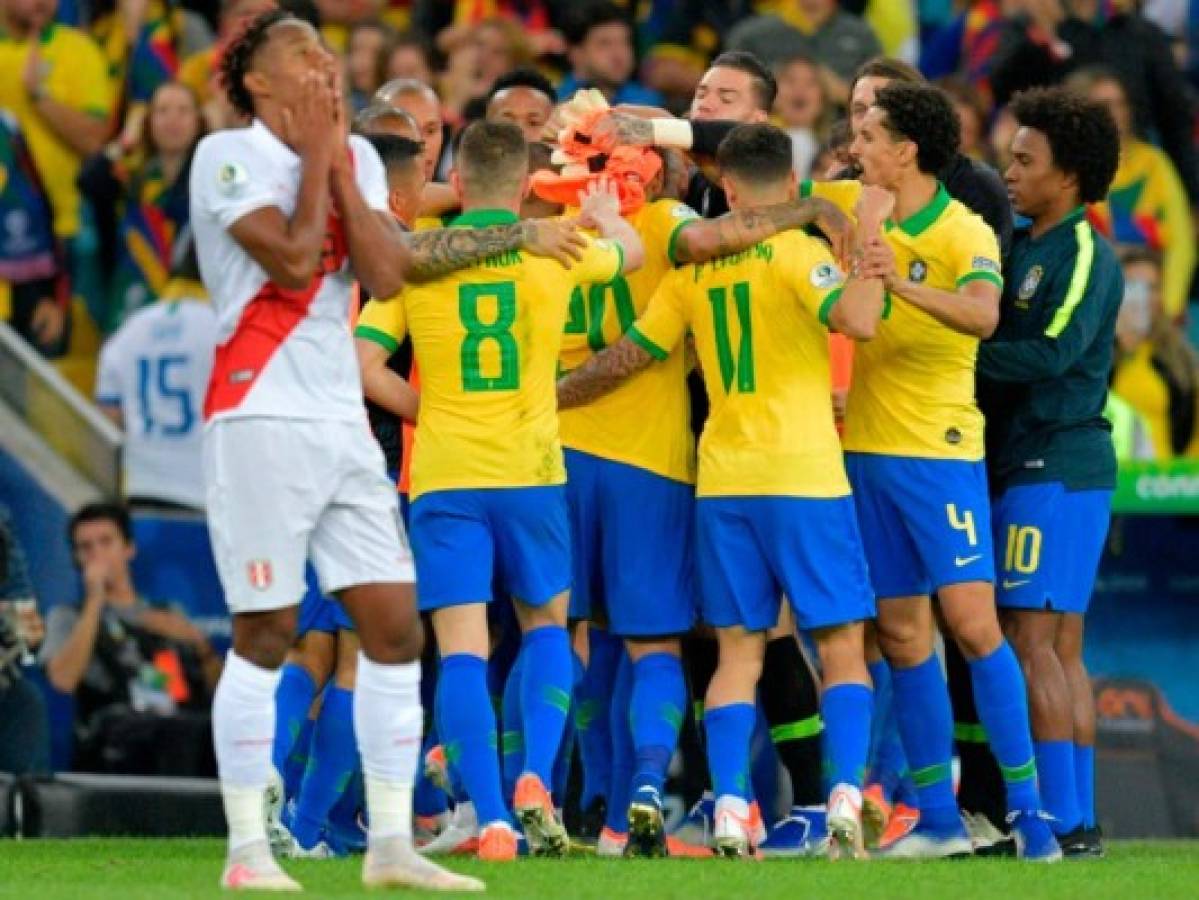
(1131, 255)
(765, 86)
(101, 511)
(304, 10)
(523, 76)
(925, 116)
(495, 151)
(759, 154)
(887, 67)
(240, 53)
(588, 15)
(397, 152)
(1082, 136)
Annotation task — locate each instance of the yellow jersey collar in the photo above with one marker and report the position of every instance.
(482, 218)
(919, 221)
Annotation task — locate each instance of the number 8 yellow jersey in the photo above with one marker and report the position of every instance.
(486, 342)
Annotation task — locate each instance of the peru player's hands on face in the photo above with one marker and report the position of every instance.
(309, 126)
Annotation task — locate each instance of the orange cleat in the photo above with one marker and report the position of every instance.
(876, 813)
(497, 843)
(535, 810)
(903, 819)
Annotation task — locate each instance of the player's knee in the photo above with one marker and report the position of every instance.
(978, 637)
(396, 645)
(904, 642)
(264, 644)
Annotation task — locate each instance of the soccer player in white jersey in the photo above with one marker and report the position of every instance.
(283, 212)
(151, 381)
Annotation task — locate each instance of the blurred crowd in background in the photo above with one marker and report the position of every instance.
(103, 102)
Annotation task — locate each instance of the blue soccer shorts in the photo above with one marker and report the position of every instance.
(319, 612)
(471, 543)
(631, 539)
(1048, 541)
(925, 522)
(750, 551)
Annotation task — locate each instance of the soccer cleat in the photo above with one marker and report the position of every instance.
(924, 842)
(460, 837)
(296, 850)
(986, 838)
(535, 810)
(437, 767)
(274, 805)
(876, 813)
(696, 829)
(611, 843)
(757, 825)
(804, 832)
(426, 828)
(498, 842)
(393, 862)
(1082, 843)
(677, 849)
(1035, 840)
(733, 826)
(253, 868)
(845, 823)
(903, 819)
(647, 831)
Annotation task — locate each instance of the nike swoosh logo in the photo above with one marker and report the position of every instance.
(1008, 585)
(960, 561)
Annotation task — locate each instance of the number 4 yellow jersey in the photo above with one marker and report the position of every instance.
(646, 421)
(760, 324)
(912, 392)
(486, 342)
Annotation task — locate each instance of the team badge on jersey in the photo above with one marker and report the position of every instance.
(231, 178)
(1029, 285)
(917, 271)
(259, 574)
(825, 276)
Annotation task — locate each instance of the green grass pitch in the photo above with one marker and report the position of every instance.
(129, 869)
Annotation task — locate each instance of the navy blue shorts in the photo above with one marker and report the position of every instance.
(472, 542)
(925, 522)
(750, 551)
(319, 612)
(631, 538)
(1048, 541)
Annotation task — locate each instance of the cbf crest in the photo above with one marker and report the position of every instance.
(1029, 285)
(917, 271)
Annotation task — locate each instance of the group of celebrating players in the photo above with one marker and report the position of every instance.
(558, 506)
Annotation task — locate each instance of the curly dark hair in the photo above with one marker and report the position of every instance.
(239, 55)
(925, 116)
(758, 154)
(1082, 136)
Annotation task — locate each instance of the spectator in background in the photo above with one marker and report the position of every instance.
(141, 673)
(139, 198)
(494, 46)
(973, 114)
(601, 55)
(525, 98)
(366, 61)
(54, 81)
(200, 70)
(24, 730)
(838, 41)
(1147, 204)
(1049, 40)
(832, 159)
(452, 23)
(803, 108)
(421, 102)
(410, 58)
(1157, 370)
(152, 379)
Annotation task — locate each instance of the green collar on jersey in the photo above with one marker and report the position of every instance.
(482, 218)
(920, 220)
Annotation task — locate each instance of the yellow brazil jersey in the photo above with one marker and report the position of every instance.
(486, 341)
(76, 76)
(912, 392)
(646, 421)
(759, 319)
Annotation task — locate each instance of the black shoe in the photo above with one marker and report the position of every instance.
(1082, 843)
(591, 819)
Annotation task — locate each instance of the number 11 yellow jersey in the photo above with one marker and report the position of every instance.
(486, 342)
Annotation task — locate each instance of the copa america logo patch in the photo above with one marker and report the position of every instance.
(231, 178)
(259, 574)
(917, 271)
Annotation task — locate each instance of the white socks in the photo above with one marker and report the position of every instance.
(243, 733)
(387, 722)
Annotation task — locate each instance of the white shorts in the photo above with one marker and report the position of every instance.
(282, 491)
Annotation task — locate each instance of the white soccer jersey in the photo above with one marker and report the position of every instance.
(156, 369)
(280, 352)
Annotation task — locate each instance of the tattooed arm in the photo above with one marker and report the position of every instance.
(704, 239)
(432, 254)
(602, 374)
